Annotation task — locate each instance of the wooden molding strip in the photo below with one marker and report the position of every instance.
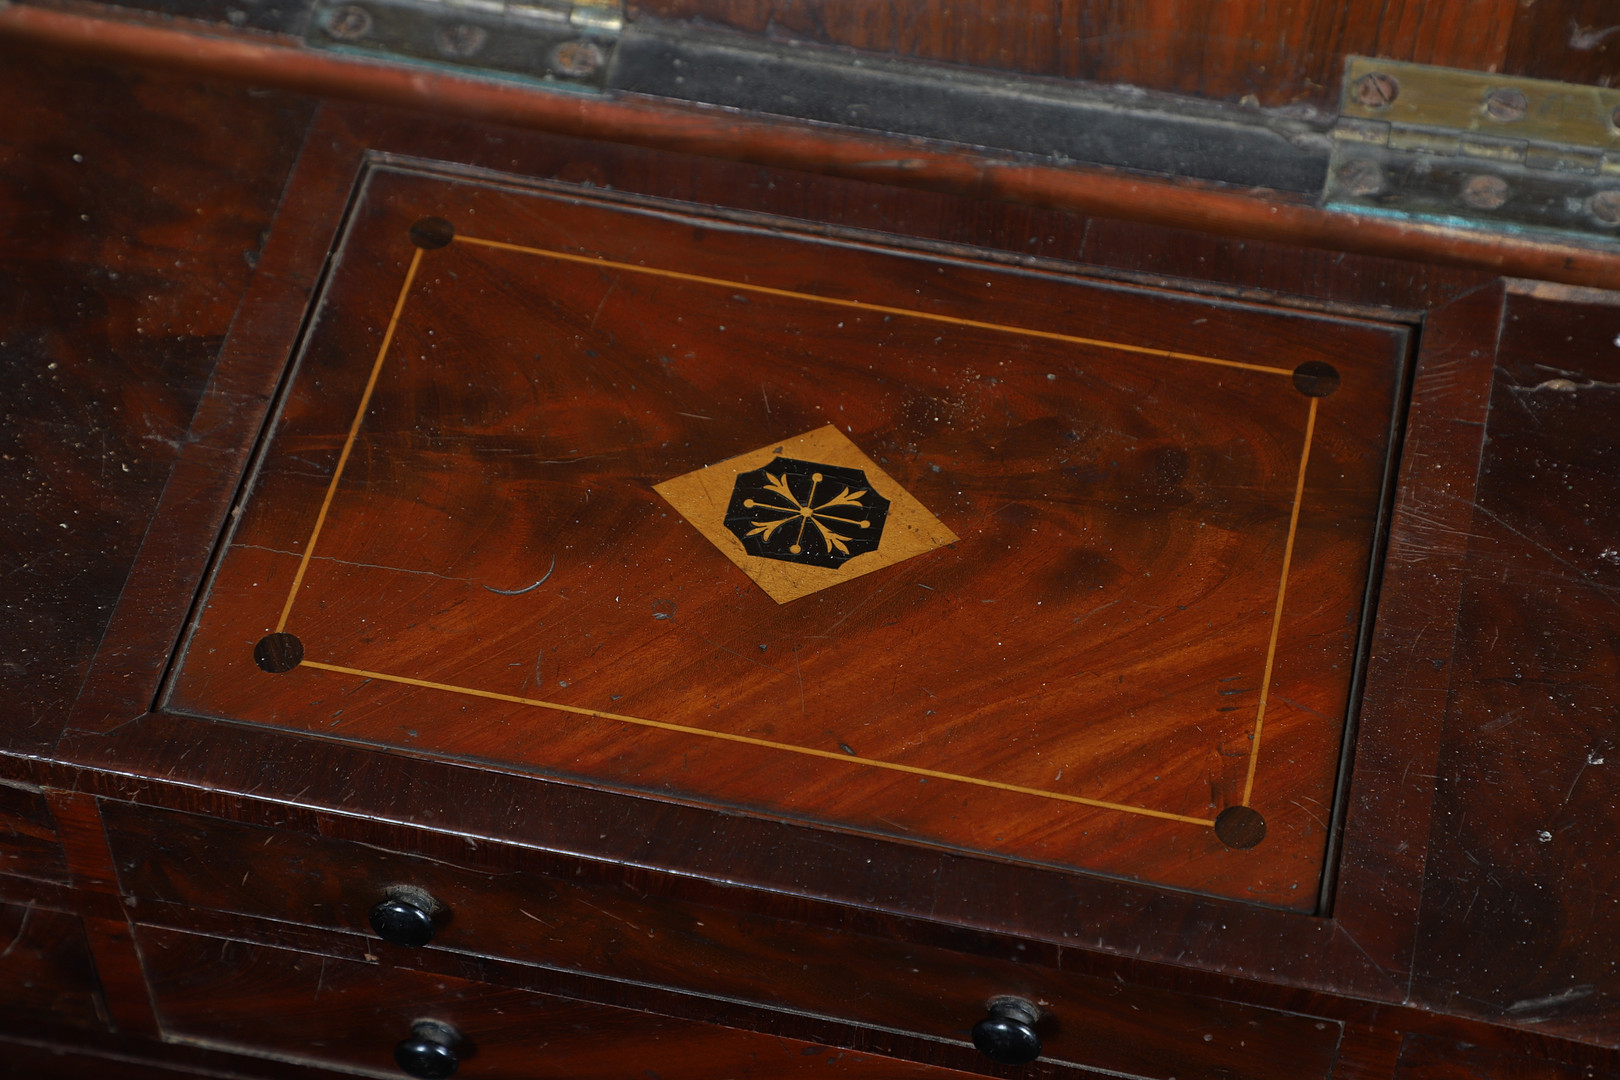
(1257, 214)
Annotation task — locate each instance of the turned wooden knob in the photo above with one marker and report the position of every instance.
(1007, 1036)
(430, 1052)
(405, 918)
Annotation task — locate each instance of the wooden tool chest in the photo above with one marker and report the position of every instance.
(548, 605)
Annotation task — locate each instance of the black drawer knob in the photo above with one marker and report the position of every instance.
(405, 919)
(430, 1052)
(1007, 1036)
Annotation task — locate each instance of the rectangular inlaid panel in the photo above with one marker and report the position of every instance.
(963, 554)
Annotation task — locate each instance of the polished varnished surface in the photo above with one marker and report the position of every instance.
(1536, 875)
(1166, 509)
(310, 1008)
(49, 975)
(131, 232)
(1513, 930)
(597, 919)
(1245, 50)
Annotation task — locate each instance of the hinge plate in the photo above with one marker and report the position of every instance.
(567, 45)
(1477, 150)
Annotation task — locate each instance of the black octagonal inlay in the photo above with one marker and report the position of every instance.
(805, 512)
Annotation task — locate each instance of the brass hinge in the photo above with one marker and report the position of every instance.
(1475, 149)
(566, 44)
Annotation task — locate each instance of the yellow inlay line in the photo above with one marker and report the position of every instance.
(683, 729)
(348, 444)
(861, 305)
(1070, 339)
(1282, 590)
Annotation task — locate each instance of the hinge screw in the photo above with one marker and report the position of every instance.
(1506, 104)
(1376, 90)
(1614, 119)
(351, 22)
(577, 59)
(461, 40)
(1361, 177)
(1485, 192)
(1605, 206)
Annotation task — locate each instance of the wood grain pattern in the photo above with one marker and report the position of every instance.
(820, 149)
(1270, 54)
(1571, 40)
(1058, 448)
(90, 863)
(601, 920)
(1472, 36)
(1280, 54)
(320, 1010)
(132, 225)
(1520, 912)
(982, 914)
(1361, 948)
(1409, 670)
(1443, 1059)
(46, 973)
(40, 1059)
(28, 844)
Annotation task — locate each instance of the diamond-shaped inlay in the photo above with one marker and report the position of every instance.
(804, 514)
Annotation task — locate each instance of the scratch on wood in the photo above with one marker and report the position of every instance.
(527, 588)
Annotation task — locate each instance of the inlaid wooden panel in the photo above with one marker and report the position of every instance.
(1140, 620)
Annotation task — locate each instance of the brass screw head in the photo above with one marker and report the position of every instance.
(577, 59)
(1485, 192)
(1361, 177)
(1376, 90)
(351, 22)
(461, 40)
(1605, 206)
(1506, 104)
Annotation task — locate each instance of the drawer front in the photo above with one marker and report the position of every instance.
(277, 1002)
(28, 844)
(46, 972)
(578, 917)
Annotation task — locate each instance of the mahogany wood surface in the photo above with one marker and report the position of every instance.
(907, 162)
(596, 919)
(1368, 943)
(1443, 551)
(322, 1010)
(1249, 50)
(90, 862)
(1520, 915)
(28, 843)
(1451, 1059)
(1101, 668)
(49, 975)
(132, 228)
(40, 1059)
